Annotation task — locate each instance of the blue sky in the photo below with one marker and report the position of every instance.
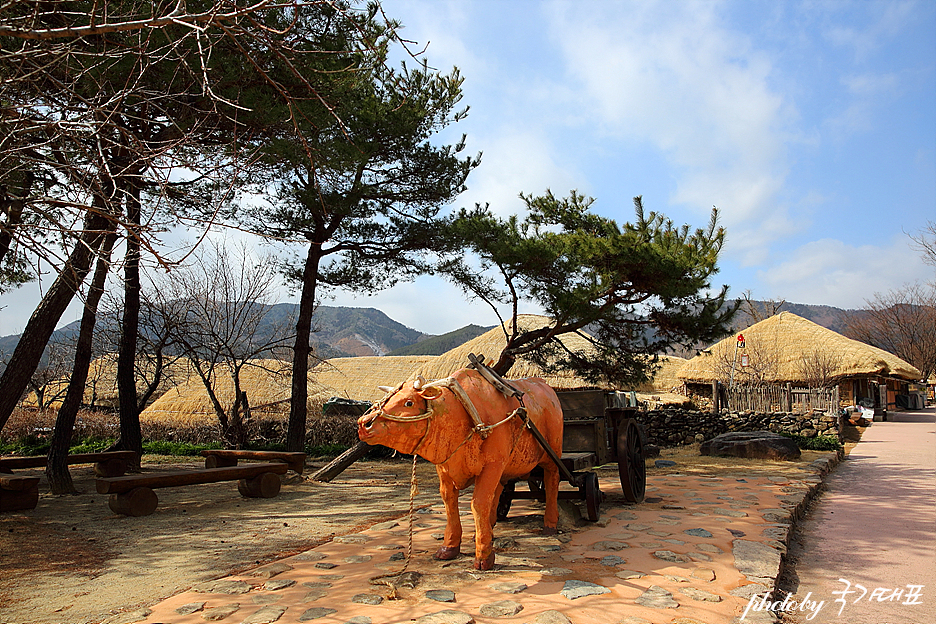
(810, 125)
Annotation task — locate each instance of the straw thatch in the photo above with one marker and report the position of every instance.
(101, 387)
(782, 349)
(491, 343)
(358, 377)
(666, 377)
(266, 382)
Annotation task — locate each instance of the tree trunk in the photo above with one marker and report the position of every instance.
(338, 465)
(57, 465)
(48, 313)
(131, 437)
(298, 409)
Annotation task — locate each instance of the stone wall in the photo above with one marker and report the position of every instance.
(673, 426)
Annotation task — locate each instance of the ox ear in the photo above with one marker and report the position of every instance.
(427, 393)
(386, 389)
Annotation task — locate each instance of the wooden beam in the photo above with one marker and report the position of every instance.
(296, 461)
(338, 465)
(39, 461)
(117, 485)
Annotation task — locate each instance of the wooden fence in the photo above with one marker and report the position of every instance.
(768, 399)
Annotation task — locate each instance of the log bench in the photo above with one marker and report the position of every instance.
(217, 458)
(106, 463)
(132, 495)
(17, 492)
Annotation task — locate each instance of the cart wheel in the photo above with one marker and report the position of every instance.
(506, 498)
(631, 466)
(592, 496)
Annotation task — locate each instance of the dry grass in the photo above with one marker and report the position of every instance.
(264, 428)
(26, 421)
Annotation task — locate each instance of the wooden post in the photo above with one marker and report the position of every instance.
(715, 397)
(338, 465)
(18, 493)
(266, 485)
(140, 501)
(217, 461)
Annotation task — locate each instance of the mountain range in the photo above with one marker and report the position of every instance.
(346, 331)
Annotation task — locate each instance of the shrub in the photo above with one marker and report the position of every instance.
(818, 443)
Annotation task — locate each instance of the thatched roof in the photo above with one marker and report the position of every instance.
(268, 385)
(266, 382)
(788, 348)
(101, 387)
(358, 377)
(667, 375)
(491, 343)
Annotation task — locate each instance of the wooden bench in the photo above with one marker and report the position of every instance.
(217, 458)
(132, 495)
(106, 464)
(17, 493)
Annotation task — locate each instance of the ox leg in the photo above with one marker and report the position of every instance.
(451, 544)
(484, 510)
(497, 495)
(551, 485)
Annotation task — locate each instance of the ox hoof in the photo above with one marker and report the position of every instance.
(484, 564)
(446, 554)
(550, 531)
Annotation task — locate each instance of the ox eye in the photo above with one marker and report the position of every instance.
(409, 403)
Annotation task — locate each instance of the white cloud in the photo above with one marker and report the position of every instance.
(519, 161)
(691, 87)
(833, 272)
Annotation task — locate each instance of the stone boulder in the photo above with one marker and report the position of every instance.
(753, 444)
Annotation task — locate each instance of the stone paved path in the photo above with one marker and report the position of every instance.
(693, 553)
(875, 527)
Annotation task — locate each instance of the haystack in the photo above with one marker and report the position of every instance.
(358, 377)
(782, 349)
(266, 382)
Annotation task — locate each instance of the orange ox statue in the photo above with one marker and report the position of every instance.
(474, 435)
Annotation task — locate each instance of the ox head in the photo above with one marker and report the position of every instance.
(402, 418)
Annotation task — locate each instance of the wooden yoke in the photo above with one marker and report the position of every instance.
(505, 388)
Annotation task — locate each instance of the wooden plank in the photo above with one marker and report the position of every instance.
(582, 404)
(116, 485)
(23, 493)
(576, 462)
(18, 484)
(296, 461)
(39, 461)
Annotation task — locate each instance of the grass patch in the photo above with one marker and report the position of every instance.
(817, 443)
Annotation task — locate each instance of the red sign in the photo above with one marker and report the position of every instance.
(741, 340)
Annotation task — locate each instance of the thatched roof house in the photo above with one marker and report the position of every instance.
(268, 386)
(101, 387)
(666, 378)
(266, 382)
(491, 343)
(787, 348)
(358, 377)
(783, 348)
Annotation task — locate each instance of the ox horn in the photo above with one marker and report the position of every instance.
(385, 389)
(419, 383)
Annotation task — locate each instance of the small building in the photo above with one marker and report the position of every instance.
(788, 350)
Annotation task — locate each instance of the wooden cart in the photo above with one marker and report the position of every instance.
(593, 434)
